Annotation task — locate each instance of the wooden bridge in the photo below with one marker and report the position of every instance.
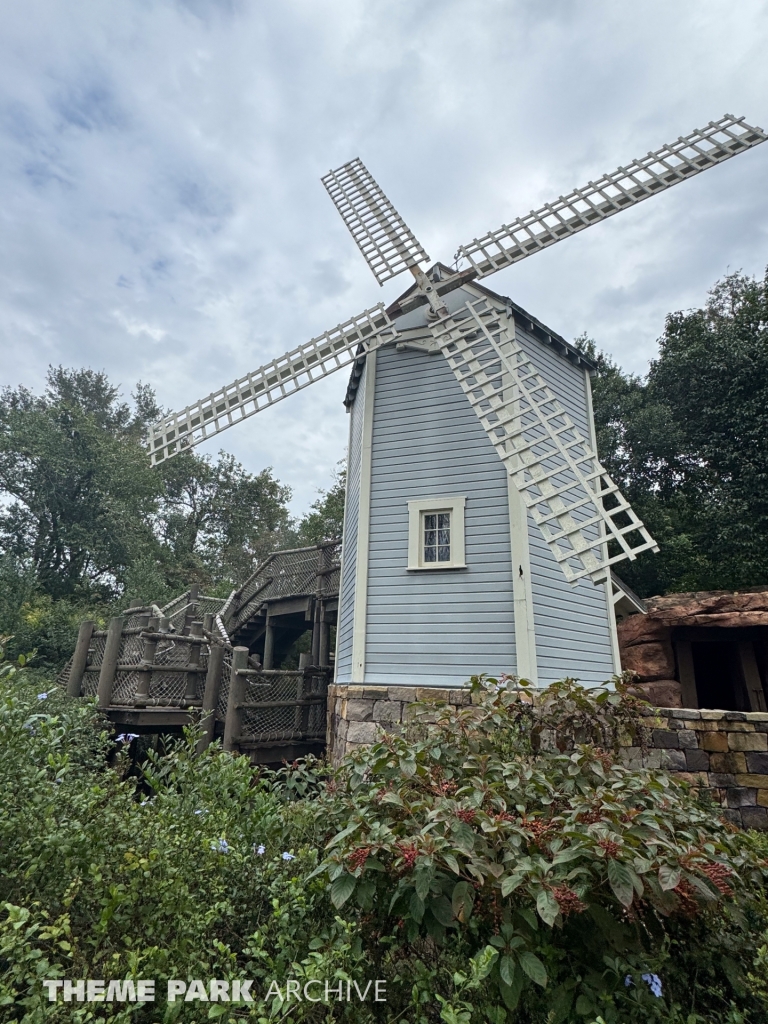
(158, 669)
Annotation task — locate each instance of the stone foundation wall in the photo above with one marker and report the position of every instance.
(725, 753)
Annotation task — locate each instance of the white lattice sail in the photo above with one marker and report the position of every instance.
(382, 236)
(272, 382)
(569, 493)
(622, 188)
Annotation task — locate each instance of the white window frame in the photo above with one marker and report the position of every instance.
(416, 512)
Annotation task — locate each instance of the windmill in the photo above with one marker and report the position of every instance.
(411, 609)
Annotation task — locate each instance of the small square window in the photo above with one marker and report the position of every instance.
(436, 533)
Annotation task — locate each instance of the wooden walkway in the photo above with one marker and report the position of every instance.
(204, 658)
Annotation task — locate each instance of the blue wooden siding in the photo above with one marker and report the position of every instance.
(572, 625)
(435, 627)
(349, 546)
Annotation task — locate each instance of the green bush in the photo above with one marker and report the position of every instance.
(572, 885)
(485, 866)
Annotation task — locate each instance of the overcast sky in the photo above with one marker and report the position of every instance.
(162, 216)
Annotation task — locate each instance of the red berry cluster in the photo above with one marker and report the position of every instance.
(358, 857)
(718, 875)
(611, 848)
(567, 900)
(538, 828)
(468, 815)
(409, 853)
(686, 894)
(590, 817)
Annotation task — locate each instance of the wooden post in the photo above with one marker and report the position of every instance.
(211, 697)
(79, 659)
(232, 726)
(316, 633)
(751, 673)
(193, 660)
(305, 660)
(147, 662)
(269, 643)
(109, 662)
(208, 622)
(325, 636)
(686, 672)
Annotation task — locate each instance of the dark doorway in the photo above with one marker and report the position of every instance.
(719, 676)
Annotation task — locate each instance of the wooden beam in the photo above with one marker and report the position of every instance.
(687, 675)
(235, 698)
(80, 659)
(752, 680)
(109, 661)
(211, 696)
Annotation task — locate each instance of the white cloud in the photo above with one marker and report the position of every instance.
(162, 216)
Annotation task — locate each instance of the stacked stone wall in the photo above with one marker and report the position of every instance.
(723, 753)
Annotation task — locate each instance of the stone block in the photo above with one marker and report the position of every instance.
(711, 716)
(359, 710)
(714, 741)
(387, 711)
(687, 739)
(432, 693)
(723, 781)
(732, 815)
(762, 797)
(664, 738)
(674, 760)
(737, 726)
(375, 692)
(460, 697)
(754, 817)
(759, 781)
(735, 716)
(702, 725)
(757, 716)
(748, 740)
(733, 762)
(362, 732)
(685, 714)
(407, 694)
(741, 797)
(690, 777)
(697, 760)
(757, 762)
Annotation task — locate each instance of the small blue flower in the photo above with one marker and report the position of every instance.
(126, 737)
(260, 849)
(42, 696)
(628, 980)
(653, 981)
(220, 846)
(288, 856)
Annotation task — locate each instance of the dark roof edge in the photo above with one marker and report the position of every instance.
(530, 323)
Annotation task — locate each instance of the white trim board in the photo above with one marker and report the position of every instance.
(360, 614)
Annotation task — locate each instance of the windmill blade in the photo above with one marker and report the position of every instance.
(651, 174)
(381, 234)
(248, 395)
(571, 497)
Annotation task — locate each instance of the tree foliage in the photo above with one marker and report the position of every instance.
(688, 445)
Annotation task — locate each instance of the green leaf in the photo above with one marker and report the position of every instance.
(463, 838)
(342, 889)
(461, 900)
(533, 967)
(584, 1006)
(416, 908)
(620, 881)
(422, 882)
(442, 910)
(510, 883)
(342, 835)
(546, 904)
(452, 863)
(669, 876)
(507, 970)
(391, 797)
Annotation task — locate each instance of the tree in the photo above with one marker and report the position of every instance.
(325, 519)
(216, 521)
(689, 444)
(80, 488)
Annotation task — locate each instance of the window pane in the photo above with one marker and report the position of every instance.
(444, 553)
(444, 520)
(443, 536)
(430, 554)
(430, 522)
